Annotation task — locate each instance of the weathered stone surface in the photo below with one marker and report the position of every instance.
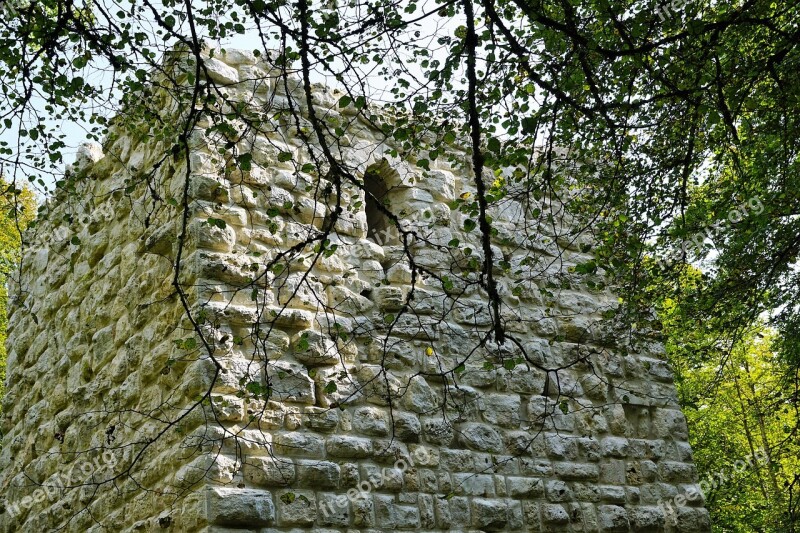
(240, 507)
(481, 437)
(349, 447)
(612, 518)
(345, 390)
(371, 421)
(269, 472)
(391, 515)
(296, 507)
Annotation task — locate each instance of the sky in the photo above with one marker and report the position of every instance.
(75, 133)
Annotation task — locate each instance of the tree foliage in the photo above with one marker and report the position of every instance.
(17, 209)
(740, 400)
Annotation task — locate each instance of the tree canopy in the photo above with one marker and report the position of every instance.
(679, 122)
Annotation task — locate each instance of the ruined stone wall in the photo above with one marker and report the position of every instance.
(359, 388)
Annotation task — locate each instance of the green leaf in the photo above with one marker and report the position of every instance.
(283, 157)
(245, 161)
(469, 225)
(345, 101)
(218, 222)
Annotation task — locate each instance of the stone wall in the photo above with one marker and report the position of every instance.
(309, 366)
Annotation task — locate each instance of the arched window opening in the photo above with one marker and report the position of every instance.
(380, 229)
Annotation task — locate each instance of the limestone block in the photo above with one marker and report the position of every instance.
(336, 386)
(237, 58)
(502, 410)
(669, 423)
(577, 471)
(468, 484)
(269, 472)
(437, 431)
(612, 518)
(673, 471)
(317, 474)
(481, 437)
(420, 397)
(333, 509)
(394, 354)
(213, 237)
(239, 507)
(299, 444)
(489, 515)
(290, 382)
(296, 507)
(554, 514)
(371, 421)
(363, 513)
(344, 300)
(522, 380)
(525, 487)
(346, 447)
(692, 519)
(427, 514)
(376, 385)
(314, 349)
(646, 518)
(615, 447)
(391, 515)
(320, 419)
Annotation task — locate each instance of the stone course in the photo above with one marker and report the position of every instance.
(387, 409)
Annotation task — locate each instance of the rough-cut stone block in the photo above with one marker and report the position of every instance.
(407, 427)
(317, 474)
(554, 514)
(371, 421)
(489, 515)
(420, 397)
(577, 471)
(349, 447)
(558, 491)
(319, 419)
(333, 509)
(525, 487)
(240, 507)
(437, 431)
(391, 515)
(481, 437)
(502, 410)
(269, 472)
(646, 518)
(612, 518)
(220, 72)
(296, 507)
(299, 444)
